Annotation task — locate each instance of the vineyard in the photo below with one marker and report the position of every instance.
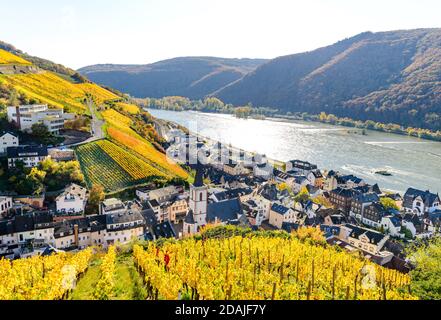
(130, 108)
(147, 151)
(51, 89)
(9, 58)
(135, 167)
(262, 268)
(109, 165)
(42, 278)
(238, 266)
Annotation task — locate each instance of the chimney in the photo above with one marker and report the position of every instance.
(17, 111)
(77, 240)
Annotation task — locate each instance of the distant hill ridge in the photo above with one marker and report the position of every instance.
(193, 77)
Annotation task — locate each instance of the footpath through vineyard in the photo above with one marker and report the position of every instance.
(126, 281)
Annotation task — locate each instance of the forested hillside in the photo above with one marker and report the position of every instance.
(386, 77)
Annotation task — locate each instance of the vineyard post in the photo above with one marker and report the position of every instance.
(333, 283)
(355, 287)
(273, 296)
(308, 293)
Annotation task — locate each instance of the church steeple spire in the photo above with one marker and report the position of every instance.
(199, 179)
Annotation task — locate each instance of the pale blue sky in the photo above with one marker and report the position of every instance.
(83, 32)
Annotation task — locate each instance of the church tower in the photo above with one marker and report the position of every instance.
(199, 198)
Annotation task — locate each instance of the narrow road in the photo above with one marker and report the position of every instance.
(96, 128)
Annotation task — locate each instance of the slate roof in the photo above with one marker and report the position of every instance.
(6, 132)
(199, 178)
(346, 179)
(373, 236)
(396, 222)
(6, 227)
(330, 231)
(164, 230)
(232, 193)
(367, 197)
(280, 209)
(224, 211)
(15, 152)
(127, 217)
(189, 218)
(24, 223)
(290, 227)
(346, 192)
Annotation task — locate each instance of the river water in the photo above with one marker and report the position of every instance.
(413, 162)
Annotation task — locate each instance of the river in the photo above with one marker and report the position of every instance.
(412, 162)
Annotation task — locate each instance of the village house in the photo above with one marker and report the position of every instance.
(433, 222)
(283, 177)
(30, 156)
(360, 202)
(8, 139)
(364, 239)
(161, 195)
(330, 181)
(300, 167)
(421, 202)
(175, 211)
(264, 171)
(392, 226)
(112, 206)
(280, 214)
(72, 200)
(300, 182)
(235, 169)
(244, 194)
(254, 211)
(373, 214)
(316, 178)
(350, 181)
(123, 227)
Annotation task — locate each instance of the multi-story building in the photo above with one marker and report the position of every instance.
(342, 198)
(30, 156)
(27, 115)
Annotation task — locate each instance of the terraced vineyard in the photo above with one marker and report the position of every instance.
(51, 89)
(135, 167)
(9, 58)
(146, 150)
(130, 108)
(114, 168)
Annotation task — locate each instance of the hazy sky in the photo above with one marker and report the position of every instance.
(83, 32)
